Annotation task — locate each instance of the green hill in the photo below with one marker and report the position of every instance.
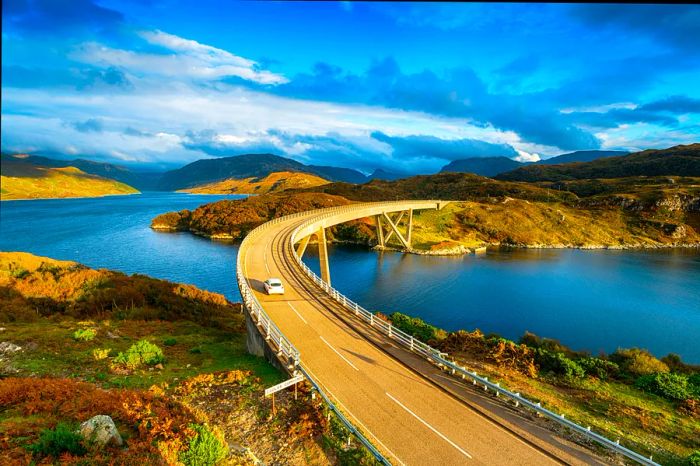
(25, 180)
(678, 160)
(139, 180)
(240, 167)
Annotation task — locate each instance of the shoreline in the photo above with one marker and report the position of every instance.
(70, 197)
(459, 250)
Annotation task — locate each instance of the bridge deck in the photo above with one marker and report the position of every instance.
(403, 404)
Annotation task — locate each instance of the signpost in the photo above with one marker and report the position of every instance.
(281, 386)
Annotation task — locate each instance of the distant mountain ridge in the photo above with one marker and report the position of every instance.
(581, 156)
(244, 166)
(381, 174)
(681, 160)
(139, 180)
(484, 166)
(492, 166)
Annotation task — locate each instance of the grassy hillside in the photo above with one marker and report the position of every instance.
(520, 222)
(274, 182)
(158, 357)
(678, 160)
(137, 179)
(22, 180)
(452, 186)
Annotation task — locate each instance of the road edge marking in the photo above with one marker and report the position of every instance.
(460, 449)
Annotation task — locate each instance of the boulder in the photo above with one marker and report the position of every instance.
(101, 431)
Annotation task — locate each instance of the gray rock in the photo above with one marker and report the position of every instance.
(7, 347)
(101, 430)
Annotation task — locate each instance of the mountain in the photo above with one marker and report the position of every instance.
(381, 174)
(22, 179)
(139, 180)
(347, 175)
(272, 183)
(580, 156)
(245, 166)
(484, 166)
(678, 160)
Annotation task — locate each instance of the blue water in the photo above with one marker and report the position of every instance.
(590, 300)
(113, 232)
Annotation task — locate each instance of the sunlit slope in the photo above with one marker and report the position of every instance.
(28, 181)
(274, 182)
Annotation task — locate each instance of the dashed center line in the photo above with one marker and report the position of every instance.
(430, 427)
(338, 353)
(297, 313)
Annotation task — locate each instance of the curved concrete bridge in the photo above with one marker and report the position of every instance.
(409, 408)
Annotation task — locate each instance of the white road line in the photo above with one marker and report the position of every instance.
(347, 412)
(430, 427)
(265, 260)
(297, 312)
(336, 352)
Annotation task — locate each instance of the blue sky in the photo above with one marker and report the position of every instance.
(397, 86)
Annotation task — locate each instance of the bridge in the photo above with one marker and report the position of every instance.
(408, 403)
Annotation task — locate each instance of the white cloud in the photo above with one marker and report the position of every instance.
(187, 59)
(526, 156)
(158, 123)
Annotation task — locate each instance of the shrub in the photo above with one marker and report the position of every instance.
(61, 439)
(558, 364)
(533, 341)
(693, 459)
(204, 449)
(694, 384)
(141, 352)
(668, 385)
(100, 353)
(676, 364)
(598, 367)
(170, 342)
(417, 327)
(84, 334)
(636, 362)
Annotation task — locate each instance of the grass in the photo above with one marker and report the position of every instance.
(521, 222)
(25, 181)
(274, 182)
(51, 350)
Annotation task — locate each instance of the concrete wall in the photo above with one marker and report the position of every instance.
(257, 346)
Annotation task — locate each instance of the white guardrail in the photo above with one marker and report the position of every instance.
(286, 348)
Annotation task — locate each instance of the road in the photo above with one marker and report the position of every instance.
(411, 411)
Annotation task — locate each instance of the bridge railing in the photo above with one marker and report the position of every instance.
(285, 348)
(438, 358)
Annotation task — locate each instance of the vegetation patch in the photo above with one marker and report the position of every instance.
(653, 405)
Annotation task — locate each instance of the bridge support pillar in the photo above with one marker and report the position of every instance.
(323, 255)
(302, 246)
(395, 230)
(410, 227)
(380, 231)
